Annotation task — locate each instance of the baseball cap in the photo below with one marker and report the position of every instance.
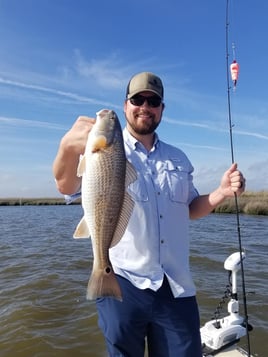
(145, 81)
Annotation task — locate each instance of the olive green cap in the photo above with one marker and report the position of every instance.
(145, 81)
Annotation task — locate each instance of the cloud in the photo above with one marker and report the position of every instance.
(113, 73)
(107, 73)
(256, 135)
(206, 147)
(257, 175)
(211, 126)
(186, 122)
(24, 185)
(30, 123)
(70, 95)
(207, 179)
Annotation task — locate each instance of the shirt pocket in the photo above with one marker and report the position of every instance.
(138, 190)
(178, 181)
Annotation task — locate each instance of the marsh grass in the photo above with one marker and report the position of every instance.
(252, 203)
(31, 201)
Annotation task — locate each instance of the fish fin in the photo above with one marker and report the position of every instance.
(102, 283)
(127, 206)
(81, 168)
(82, 230)
(98, 143)
(124, 216)
(131, 174)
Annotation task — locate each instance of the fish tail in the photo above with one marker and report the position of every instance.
(103, 283)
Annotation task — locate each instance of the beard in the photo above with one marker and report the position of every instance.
(143, 127)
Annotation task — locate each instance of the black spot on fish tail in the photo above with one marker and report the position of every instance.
(108, 270)
(103, 283)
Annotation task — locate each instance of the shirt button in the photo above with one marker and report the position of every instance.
(161, 216)
(162, 241)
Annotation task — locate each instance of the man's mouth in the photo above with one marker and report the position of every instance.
(144, 115)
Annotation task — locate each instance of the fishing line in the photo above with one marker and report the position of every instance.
(233, 48)
(231, 125)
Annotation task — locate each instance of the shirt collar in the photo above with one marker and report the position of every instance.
(133, 142)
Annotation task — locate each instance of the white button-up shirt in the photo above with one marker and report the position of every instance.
(156, 241)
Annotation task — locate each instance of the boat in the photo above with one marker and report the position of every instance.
(232, 351)
(220, 336)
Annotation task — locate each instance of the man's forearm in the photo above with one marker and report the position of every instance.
(65, 170)
(204, 204)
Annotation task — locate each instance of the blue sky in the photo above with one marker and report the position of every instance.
(64, 58)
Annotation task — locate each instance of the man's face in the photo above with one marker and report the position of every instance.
(143, 119)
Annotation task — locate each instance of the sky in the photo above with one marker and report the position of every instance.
(64, 58)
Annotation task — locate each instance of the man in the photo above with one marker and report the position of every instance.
(152, 259)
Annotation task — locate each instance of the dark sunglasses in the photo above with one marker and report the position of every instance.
(153, 101)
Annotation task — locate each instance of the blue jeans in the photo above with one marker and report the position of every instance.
(171, 325)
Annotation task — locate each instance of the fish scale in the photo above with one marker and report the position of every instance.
(110, 189)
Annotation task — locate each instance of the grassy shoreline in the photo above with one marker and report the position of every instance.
(45, 201)
(251, 203)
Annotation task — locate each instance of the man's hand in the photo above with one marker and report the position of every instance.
(232, 182)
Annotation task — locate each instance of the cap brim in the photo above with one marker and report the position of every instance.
(130, 95)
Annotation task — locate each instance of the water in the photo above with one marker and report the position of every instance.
(44, 274)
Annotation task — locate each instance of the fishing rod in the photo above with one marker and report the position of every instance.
(235, 69)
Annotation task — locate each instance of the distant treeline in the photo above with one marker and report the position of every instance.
(252, 203)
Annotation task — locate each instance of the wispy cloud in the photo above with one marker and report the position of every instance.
(114, 70)
(255, 135)
(206, 147)
(70, 95)
(114, 80)
(211, 126)
(186, 122)
(31, 123)
(107, 72)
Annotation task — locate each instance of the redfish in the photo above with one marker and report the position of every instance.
(106, 173)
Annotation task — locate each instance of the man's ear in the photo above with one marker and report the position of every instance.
(125, 105)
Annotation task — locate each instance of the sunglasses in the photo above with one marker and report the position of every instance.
(153, 101)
